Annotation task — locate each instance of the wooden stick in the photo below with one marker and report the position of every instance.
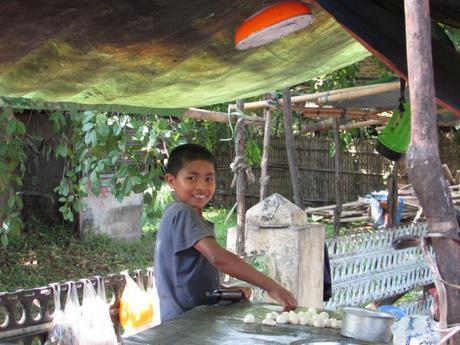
(264, 178)
(240, 184)
(294, 172)
(338, 179)
(447, 173)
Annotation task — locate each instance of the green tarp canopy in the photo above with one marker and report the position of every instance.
(153, 56)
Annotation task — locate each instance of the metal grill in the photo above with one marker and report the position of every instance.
(364, 266)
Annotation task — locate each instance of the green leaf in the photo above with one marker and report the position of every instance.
(103, 130)
(95, 185)
(20, 128)
(65, 188)
(91, 138)
(11, 127)
(5, 239)
(61, 150)
(117, 129)
(11, 201)
(88, 126)
(88, 116)
(3, 148)
(163, 124)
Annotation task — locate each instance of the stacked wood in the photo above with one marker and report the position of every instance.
(358, 211)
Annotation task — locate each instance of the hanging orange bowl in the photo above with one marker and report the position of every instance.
(272, 23)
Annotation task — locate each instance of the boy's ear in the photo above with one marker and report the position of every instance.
(170, 180)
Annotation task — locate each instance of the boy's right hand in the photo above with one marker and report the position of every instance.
(283, 297)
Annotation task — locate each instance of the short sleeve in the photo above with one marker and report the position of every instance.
(188, 228)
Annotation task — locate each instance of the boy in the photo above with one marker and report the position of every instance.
(187, 257)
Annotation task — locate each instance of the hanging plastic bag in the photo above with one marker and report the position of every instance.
(136, 309)
(66, 323)
(96, 325)
(153, 294)
(59, 331)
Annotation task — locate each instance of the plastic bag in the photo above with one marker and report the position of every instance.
(96, 326)
(65, 328)
(153, 294)
(59, 332)
(136, 309)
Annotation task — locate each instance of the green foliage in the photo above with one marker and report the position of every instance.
(119, 147)
(12, 169)
(345, 77)
(221, 222)
(56, 254)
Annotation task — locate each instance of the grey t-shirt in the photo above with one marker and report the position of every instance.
(182, 274)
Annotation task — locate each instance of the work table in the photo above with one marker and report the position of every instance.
(223, 324)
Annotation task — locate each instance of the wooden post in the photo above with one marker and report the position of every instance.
(422, 158)
(291, 149)
(392, 200)
(240, 183)
(264, 178)
(338, 179)
(6, 190)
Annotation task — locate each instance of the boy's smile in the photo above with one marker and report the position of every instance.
(194, 184)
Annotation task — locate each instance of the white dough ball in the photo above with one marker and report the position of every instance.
(293, 319)
(333, 323)
(318, 322)
(303, 320)
(249, 318)
(324, 315)
(269, 322)
(300, 313)
(282, 318)
(327, 323)
(270, 316)
(275, 315)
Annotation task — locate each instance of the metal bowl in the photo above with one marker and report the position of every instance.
(366, 324)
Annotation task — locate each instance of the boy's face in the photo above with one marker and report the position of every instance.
(194, 184)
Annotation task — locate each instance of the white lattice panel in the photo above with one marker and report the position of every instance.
(364, 266)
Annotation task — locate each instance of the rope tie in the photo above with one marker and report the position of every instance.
(450, 330)
(239, 165)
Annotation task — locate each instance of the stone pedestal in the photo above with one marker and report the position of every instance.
(106, 215)
(279, 237)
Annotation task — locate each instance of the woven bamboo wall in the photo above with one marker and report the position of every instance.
(363, 171)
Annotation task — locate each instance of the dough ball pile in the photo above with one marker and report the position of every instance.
(303, 318)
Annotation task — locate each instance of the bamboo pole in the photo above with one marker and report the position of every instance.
(392, 199)
(264, 177)
(338, 179)
(422, 159)
(330, 96)
(215, 116)
(240, 183)
(294, 172)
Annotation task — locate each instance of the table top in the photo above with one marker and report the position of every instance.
(223, 324)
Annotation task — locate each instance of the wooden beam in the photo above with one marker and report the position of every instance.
(330, 96)
(422, 158)
(215, 116)
(319, 126)
(294, 172)
(240, 183)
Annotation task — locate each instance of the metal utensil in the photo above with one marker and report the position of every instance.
(366, 324)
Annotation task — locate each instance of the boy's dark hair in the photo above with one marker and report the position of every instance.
(183, 154)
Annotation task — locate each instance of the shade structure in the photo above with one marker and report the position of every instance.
(272, 23)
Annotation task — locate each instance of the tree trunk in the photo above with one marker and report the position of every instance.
(240, 183)
(338, 180)
(423, 161)
(291, 150)
(264, 178)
